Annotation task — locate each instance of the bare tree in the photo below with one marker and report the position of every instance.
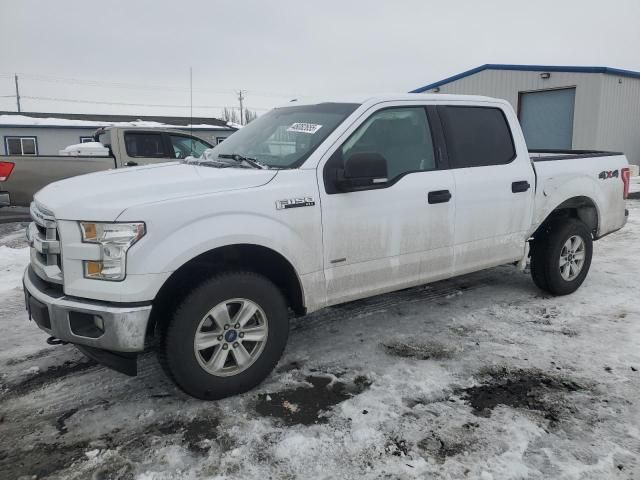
(249, 115)
(230, 115)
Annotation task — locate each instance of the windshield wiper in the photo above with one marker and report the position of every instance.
(240, 158)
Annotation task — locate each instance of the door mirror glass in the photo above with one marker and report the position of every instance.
(363, 170)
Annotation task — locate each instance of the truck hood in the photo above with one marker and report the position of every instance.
(102, 196)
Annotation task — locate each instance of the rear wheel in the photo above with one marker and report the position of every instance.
(561, 256)
(226, 336)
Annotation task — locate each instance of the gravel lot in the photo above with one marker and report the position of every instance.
(482, 376)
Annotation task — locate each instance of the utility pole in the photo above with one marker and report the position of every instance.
(15, 77)
(240, 99)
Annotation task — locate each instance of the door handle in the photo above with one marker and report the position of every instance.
(521, 186)
(439, 196)
(130, 164)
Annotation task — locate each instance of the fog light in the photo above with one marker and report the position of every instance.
(98, 322)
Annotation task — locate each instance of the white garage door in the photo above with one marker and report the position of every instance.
(547, 118)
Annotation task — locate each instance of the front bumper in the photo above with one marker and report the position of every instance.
(95, 324)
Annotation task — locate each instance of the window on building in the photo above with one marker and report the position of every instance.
(21, 145)
(145, 145)
(184, 147)
(86, 139)
(476, 136)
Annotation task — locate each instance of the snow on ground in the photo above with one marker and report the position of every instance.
(482, 376)
(12, 263)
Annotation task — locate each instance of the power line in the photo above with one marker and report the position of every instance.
(97, 102)
(102, 83)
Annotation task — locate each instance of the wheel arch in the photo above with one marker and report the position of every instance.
(244, 256)
(580, 207)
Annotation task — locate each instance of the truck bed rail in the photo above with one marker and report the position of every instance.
(544, 155)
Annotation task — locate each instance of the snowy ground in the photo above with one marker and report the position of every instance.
(483, 376)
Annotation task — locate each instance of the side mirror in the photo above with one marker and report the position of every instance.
(362, 170)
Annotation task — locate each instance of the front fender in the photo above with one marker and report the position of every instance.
(205, 234)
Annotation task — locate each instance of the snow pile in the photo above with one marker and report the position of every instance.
(12, 264)
(23, 120)
(86, 149)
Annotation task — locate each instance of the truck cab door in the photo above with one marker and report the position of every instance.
(390, 235)
(495, 185)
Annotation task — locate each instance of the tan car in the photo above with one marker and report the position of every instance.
(22, 176)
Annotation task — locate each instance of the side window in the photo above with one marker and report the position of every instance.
(86, 139)
(476, 136)
(187, 146)
(146, 145)
(21, 145)
(401, 135)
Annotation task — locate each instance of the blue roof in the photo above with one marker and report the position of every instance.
(530, 68)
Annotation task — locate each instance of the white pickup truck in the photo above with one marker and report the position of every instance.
(308, 206)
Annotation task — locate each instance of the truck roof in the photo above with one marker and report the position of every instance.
(392, 97)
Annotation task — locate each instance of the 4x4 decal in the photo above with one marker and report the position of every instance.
(608, 174)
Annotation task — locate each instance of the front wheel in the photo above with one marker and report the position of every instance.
(226, 336)
(561, 256)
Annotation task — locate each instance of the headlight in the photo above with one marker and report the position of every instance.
(114, 240)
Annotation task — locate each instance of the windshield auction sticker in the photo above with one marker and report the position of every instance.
(304, 127)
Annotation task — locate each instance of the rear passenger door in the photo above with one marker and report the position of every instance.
(494, 186)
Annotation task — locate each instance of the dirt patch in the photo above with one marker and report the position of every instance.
(440, 449)
(61, 420)
(419, 350)
(528, 389)
(27, 358)
(195, 433)
(40, 461)
(305, 405)
(49, 375)
(397, 447)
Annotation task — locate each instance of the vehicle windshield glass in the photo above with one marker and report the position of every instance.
(283, 137)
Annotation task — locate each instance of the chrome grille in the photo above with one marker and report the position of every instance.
(44, 241)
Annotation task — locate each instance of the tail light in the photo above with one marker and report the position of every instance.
(625, 174)
(5, 170)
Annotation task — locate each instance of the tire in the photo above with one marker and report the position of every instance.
(203, 373)
(546, 252)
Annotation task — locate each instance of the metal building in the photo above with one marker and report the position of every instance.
(561, 107)
(48, 133)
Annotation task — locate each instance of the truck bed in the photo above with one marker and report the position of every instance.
(594, 174)
(30, 174)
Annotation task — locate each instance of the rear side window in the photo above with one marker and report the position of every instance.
(476, 136)
(147, 145)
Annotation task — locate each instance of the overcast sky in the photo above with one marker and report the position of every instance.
(139, 52)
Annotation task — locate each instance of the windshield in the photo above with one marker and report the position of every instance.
(283, 137)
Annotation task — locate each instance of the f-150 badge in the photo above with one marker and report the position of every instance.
(295, 203)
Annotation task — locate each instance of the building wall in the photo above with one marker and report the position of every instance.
(619, 118)
(52, 140)
(507, 84)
